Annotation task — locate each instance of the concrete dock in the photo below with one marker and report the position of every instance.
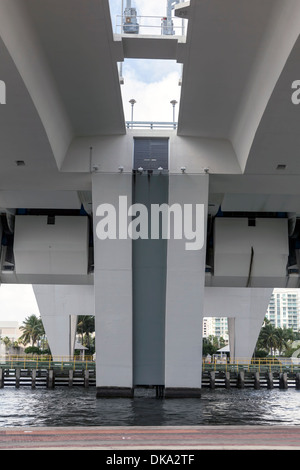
(152, 438)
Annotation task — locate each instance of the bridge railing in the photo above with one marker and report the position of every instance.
(152, 25)
(150, 125)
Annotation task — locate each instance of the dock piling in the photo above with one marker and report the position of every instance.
(33, 378)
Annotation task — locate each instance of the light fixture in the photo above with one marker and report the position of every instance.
(173, 103)
(121, 169)
(132, 102)
(20, 163)
(183, 168)
(206, 170)
(140, 169)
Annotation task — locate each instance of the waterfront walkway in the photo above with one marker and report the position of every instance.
(152, 438)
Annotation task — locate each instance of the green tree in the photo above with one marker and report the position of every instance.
(208, 348)
(284, 337)
(211, 344)
(33, 330)
(271, 338)
(6, 341)
(85, 327)
(268, 339)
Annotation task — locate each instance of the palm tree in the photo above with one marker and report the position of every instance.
(85, 326)
(268, 337)
(272, 338)
(282, 342)
(32, 329)
(6, 341)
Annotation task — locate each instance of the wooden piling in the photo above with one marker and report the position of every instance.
(227, 379)
(33, 378)
(298, 381)
(1, 378)
(256, 380)
(283, 384)
(270, 382)
(212, 379)
(86, 378)
(18, 376)
(50, 379)
(71, 375)
(241, 379)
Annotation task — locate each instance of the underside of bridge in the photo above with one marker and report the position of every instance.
(66, 152)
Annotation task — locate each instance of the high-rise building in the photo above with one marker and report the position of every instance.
(284, 309)
(215, 326)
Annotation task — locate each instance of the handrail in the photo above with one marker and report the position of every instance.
(254, 364)
(152, 24)
(46, 362)
(151, 124)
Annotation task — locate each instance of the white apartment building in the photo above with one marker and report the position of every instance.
(10, 329)
(215, 326)
(283, 310)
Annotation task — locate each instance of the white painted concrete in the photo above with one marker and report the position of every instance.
(184, 294)
(109, 152)
(233, 242)
(245, 309)
(59, 306)
(113, 290)
(57, 249)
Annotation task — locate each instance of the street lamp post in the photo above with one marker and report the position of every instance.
(132, 102)
(173, 103)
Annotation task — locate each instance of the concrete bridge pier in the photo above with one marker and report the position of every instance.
(245, 309)
(148, 332)
(59, 306)
(113, 293)
(185, 297)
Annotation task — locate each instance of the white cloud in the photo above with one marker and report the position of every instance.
(152, 97)
(143, 7)
(17, 301)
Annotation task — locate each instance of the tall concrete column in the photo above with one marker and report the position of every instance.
(113, 288)
(59, 306)
(185, 295)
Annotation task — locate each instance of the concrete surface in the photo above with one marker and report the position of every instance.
(152, 438)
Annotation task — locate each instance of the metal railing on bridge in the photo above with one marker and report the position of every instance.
(150, 125)
(151, 25)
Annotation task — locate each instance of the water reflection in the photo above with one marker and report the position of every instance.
(80, 407)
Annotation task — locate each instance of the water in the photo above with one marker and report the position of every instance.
(80, 407)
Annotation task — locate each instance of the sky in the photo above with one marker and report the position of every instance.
(153, 84)
(17, 301)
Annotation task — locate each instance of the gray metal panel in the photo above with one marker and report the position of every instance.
(149, 290)
(151, 153)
